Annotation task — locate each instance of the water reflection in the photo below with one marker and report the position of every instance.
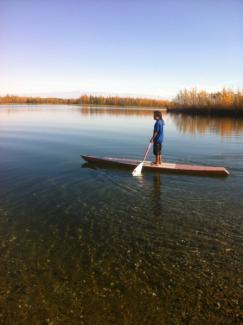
(225, 126)
(156, 195)
(117, 111)
(26, 111)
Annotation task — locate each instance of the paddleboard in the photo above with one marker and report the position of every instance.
(167, 167)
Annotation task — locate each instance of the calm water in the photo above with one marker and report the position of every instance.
(84, 245)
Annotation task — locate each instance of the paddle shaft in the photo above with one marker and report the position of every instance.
(146, 152)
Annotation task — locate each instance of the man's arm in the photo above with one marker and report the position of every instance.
(153, 136)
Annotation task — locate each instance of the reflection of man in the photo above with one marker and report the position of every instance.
(158, 136)
(156, 198)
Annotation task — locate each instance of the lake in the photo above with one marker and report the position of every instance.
(83, 244)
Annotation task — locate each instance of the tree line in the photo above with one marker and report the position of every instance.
(226, 99)
(87, 100)
(187, 100)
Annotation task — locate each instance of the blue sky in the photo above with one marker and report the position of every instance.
(136, 47)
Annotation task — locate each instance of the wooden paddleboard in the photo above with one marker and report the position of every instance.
(168, 167)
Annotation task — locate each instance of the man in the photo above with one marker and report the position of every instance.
(157, 138)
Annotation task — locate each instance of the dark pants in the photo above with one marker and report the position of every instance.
(157, 149)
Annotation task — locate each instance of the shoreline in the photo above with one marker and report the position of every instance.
(164, 109)
(220, 112)
(215, 112)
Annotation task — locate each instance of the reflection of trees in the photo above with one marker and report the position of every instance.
(83, 110)
(201, 124)
(89, 110)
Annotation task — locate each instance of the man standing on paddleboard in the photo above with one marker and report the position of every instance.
(157, 137)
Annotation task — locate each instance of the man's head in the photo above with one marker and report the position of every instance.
(157, 115)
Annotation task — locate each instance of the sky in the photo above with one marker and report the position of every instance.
(149, 48)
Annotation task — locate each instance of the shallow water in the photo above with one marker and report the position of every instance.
(80, 244)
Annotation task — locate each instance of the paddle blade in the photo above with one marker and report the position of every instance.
(138, 170)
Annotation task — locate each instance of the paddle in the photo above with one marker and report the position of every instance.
(138, 170)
